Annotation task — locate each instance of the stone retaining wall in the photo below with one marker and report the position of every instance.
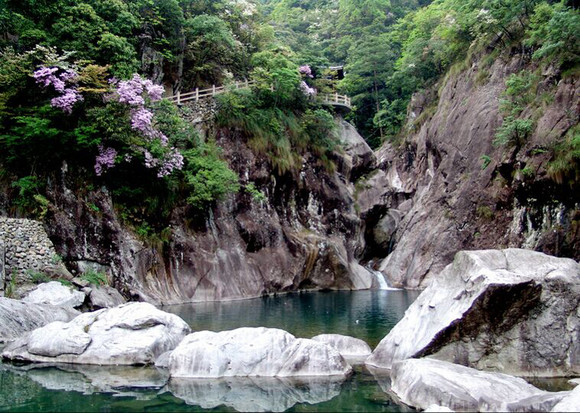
(26, 248)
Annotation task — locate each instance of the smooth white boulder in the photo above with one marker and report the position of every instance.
(422, 383)
(351, 348)
(133, 333)
(17, 317)
(570, 403)
(513, 311)
(55, 293)
(254, 352)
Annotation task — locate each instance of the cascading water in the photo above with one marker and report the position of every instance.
(381, 281)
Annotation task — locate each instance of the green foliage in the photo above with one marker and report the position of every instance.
(207, 176)
(513, 131)
(485, 161)
(520, 91)
(38, 277)
(95, 277)
(484, 212)
(554, 30)
(564, 167)
(255, 193)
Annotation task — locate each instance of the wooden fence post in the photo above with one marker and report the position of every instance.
(196, 94)
(178, 97)
(213, 90)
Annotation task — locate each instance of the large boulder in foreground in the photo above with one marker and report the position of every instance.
(55, 293)
(247, 352)
(422, 383)
(513, 311)
(17, 317)
(131, 334)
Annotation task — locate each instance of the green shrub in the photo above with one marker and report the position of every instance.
(95, 277)
(38, 277)
(255, 193)
(485, 159)
(484, 212)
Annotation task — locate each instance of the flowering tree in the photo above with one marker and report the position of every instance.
(63, 82)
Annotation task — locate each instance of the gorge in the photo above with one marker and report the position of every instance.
(452, 168)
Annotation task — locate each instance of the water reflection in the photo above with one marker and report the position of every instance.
(368, 315)
(254, 394)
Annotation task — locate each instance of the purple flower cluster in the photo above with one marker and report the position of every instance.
(47, 76)
(173, 160)
(307, 90)
(305, 70)
(105, 158)
(141, 119)
(66, 101)
(131, 91)
(136, 92)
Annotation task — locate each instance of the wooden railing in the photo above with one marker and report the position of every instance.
(197, 94)
(335, 99)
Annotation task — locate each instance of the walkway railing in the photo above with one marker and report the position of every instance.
(197, 94)
(335, 99)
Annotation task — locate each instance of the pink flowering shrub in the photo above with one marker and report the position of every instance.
(307, 90)
(63, 83)
(306, 71)
(105, 158)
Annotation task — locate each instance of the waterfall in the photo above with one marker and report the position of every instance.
(383, 285)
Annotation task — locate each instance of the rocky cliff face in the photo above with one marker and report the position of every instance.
(433, 195)
(306, 235)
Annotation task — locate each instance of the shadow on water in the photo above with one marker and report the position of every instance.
(368, 315)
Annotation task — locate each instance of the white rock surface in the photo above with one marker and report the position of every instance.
(351, 348)
(17, 317)
(255, 394)
(254, 352)
(422, 383)
(54, 293)
(133, 333)
(570, 403)
(514, 311)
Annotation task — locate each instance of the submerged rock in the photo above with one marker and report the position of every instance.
(514, 311)
(351, 348)
(422, 383)
(255, 394)
(254, 352)
(134, 333)
(17, 317)
(55, 293)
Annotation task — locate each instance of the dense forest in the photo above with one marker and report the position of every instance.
(81, 85)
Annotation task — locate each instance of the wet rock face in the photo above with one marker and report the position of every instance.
(451, 201)
(512, 311)
(305, 235)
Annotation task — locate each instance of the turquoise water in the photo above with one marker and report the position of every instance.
(368, 315)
